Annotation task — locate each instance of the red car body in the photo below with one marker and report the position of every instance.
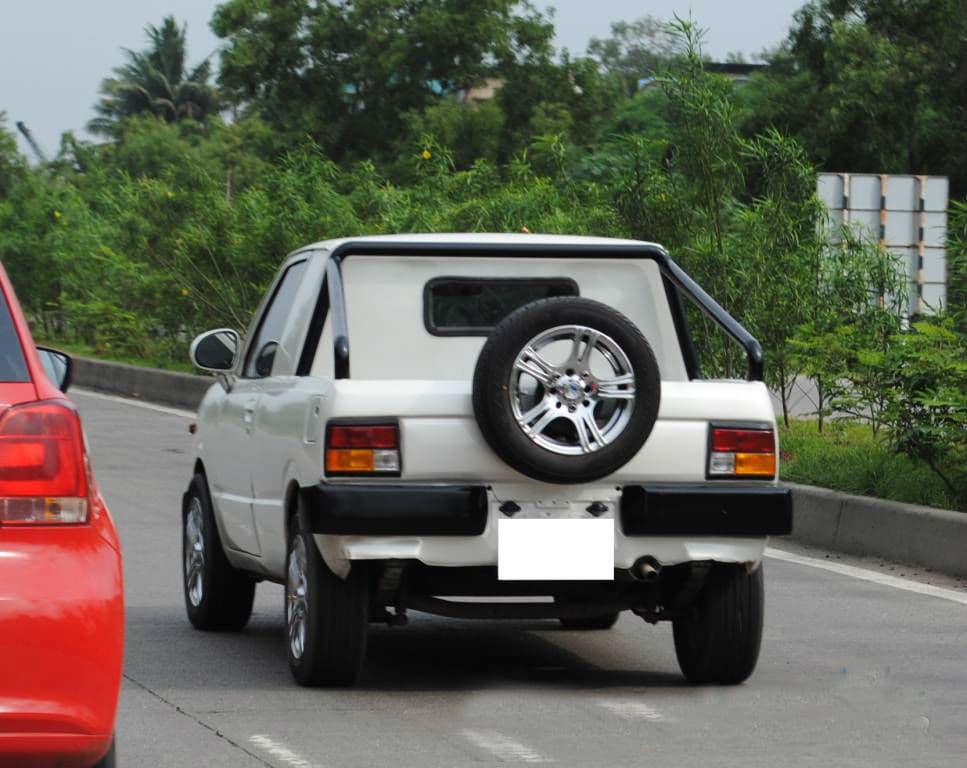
(61, 601)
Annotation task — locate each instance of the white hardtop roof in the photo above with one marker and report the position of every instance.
(492, 238)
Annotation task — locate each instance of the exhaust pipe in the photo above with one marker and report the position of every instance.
(646, 569)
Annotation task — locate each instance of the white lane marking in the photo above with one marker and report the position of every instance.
(504, 748)
(279, 751)
(867, 575)
(632, 709)
(131, 401)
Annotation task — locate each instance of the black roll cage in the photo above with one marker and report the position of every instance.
(675, 279)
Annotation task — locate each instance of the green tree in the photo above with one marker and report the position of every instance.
(872, 86)
(13, 166)
(347, 74)
(157, 81)
(635, 50)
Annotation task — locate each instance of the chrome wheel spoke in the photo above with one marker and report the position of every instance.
(296, 596)
(581, 356)
(540, 425)
(617, 388)
(588, 431)
(573, 389)
(194, 552)
(534, 365)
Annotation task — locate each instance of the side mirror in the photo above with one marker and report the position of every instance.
(58, 367)
(265, 358)
(215, 351)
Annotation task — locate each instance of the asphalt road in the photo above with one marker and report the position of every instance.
(852, 672)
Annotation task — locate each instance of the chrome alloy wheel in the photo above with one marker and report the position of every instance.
(572, 390)
(297, 598)
(194, 555)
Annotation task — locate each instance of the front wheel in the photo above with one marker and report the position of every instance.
(217, 596)
(718, 636)
(327, 618)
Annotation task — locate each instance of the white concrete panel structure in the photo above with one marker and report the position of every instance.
(906, 214)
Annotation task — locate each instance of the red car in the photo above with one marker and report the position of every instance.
(61, 603)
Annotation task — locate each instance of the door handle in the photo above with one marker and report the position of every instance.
(248, 415)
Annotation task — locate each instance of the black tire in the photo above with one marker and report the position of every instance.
(604, 621)
(110, 759)
(227, 593)
(492, 396)
(337, 617)
(717, 638)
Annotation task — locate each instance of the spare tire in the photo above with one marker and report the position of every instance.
(566, 390)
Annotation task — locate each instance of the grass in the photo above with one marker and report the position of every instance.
(849, 457)
(85, 350)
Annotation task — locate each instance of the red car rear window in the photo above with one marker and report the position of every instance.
(12, 364)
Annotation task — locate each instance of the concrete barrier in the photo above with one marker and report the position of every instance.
(860, 525)
(184, 390)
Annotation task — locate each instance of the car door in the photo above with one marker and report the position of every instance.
(285, 427)
(238, 450)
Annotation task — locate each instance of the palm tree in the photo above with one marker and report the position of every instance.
(155, 81)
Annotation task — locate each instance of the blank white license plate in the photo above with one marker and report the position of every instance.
(555, 550)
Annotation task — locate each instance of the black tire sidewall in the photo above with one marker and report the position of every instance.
(491, 399)
(717, 639)
(227, 593)
(198, 488)
(336, 621)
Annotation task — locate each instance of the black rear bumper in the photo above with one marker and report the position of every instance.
(388, 510)
(703, 510)
(645, 510)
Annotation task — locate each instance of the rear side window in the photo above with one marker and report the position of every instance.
(13, 367)
(471, 306)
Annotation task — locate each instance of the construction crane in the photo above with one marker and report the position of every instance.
(41, 155)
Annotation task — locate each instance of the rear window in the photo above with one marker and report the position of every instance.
(470, 306)
(12, 364)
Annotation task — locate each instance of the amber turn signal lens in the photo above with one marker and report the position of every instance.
(755, 465)
(350, 460)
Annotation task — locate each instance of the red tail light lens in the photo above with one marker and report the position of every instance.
(363, 449)
(742, 452)
(743, 440)
(359, 436)
(43, 474)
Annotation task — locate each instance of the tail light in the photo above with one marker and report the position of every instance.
(742, 452)
(363, 449)
(43, 469)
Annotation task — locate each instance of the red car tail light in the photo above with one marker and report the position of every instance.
(43, 470)
(363, 449)
(742, 452)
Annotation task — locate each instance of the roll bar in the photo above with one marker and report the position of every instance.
(677, 282)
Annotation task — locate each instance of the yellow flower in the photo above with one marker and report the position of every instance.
(169, 194)
(427, 154)
(57, 215)
(184, 291)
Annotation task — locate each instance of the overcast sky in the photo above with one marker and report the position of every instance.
(54, 53)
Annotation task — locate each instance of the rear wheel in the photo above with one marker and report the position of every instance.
(326, 617)
(217, 596)
(604, 621)
(717, 638)
(110, 760)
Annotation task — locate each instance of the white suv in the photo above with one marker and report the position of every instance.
(419, 421)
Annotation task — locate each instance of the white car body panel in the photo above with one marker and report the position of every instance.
(265, 436)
